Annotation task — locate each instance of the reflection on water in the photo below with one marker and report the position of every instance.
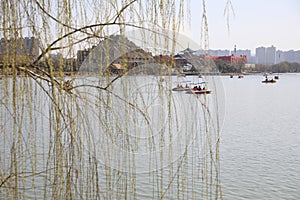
(137, 140)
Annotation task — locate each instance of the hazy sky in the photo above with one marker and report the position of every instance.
(255, 23)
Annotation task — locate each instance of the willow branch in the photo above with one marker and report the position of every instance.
(60, 22)
(122, 10)
(74, 43)
(79, 30)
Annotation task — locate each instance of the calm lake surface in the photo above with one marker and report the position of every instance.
(259, 149)
(260, 140)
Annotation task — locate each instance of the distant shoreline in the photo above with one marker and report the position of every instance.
(70, 75)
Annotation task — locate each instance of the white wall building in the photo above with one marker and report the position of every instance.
(270, 55)
(288, 56)
(260, 54)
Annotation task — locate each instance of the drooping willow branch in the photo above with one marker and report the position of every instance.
(75, 30)
(122, 10)
(228, 8)
(50, 47)
(60, 22)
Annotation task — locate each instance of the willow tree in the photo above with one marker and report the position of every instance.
(71, 130)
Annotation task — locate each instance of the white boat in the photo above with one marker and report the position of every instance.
(182, 86)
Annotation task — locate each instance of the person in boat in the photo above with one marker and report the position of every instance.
(204, 88)
(179, 86)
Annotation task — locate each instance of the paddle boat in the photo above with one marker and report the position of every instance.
(180, 86)
(269, 81)
(199, 88)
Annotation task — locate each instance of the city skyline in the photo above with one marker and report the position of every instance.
(263, 55)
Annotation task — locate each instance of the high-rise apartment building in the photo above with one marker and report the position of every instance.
(219, 52)
(240, 52)
(260, 53)
(270, 55)
(20, 50)
(288, 56)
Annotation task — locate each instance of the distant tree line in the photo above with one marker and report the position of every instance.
(283, 67)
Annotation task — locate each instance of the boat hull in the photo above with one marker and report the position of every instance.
(180, 89)
(269, 81)
(198, 92)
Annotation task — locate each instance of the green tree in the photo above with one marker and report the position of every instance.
(225, 67)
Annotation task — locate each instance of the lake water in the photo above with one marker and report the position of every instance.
(259, 140)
